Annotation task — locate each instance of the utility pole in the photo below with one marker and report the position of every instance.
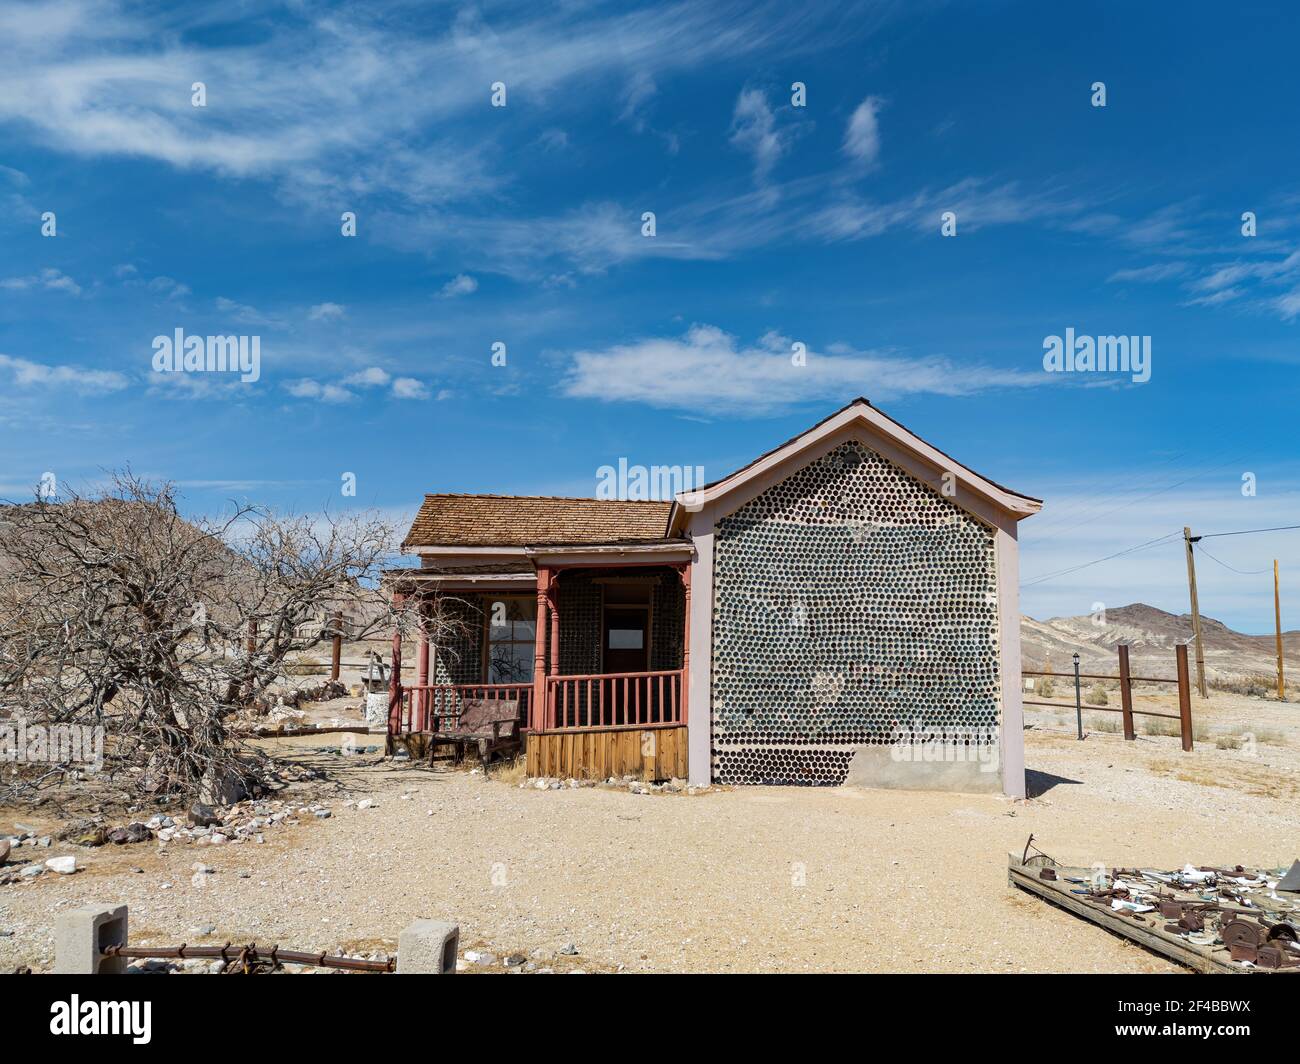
(1277, 620)
(1189, 539)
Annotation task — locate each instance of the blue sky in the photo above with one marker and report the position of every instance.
(775, 224)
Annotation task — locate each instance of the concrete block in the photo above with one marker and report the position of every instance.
(428, 947)
(82, 934)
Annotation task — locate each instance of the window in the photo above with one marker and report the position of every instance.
(511, 629)
(626, 638)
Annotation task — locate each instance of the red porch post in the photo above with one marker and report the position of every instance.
(421, 700)
(553, 598)
(395, 681)
(686, 638)
(537, 706)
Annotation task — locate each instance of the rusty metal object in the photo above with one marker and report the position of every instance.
(249, 960)
(1037, 859)
(1047, 873)
(1239, 932)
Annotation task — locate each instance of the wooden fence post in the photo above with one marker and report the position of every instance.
(336, 650)
(395, 681)
(1126, 692)
(1184, 697)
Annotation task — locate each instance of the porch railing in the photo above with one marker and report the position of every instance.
(614, 700)
(423, 708)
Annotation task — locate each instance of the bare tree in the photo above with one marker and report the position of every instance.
(117, 611)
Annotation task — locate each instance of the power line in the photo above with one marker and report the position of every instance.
(1241, 572)
(1098, 561)
(1248, 531)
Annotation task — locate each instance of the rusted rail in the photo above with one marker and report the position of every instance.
(1098, 709)
(1096, 676)
(249, 957)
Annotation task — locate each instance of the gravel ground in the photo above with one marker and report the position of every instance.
(752, 879)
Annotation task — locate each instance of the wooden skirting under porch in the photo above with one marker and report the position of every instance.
(598, 753)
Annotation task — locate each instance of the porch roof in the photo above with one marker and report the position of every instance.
(534, 521)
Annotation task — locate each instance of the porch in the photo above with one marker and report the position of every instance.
(593, 649)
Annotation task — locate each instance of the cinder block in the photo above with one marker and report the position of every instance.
(81, 935)
(428, 947)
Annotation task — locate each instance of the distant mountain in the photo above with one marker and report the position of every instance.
(1152, 635)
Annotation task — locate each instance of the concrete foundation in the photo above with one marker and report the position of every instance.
(921, 769)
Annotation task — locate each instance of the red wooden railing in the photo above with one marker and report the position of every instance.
(614, 700)
(425, 707)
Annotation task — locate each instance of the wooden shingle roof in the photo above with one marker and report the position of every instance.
(533, 520)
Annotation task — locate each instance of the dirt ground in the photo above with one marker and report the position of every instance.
(746, 880)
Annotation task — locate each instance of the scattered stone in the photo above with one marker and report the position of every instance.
(569, 950)
(130, 833)
(515, 960)
(323, 814)
(65, 866)
(5, 847)
(203, 815)
(366, 803)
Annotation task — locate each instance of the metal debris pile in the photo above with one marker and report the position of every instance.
(1251, 913)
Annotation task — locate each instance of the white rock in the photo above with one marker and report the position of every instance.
(65, 866)
(366, 803)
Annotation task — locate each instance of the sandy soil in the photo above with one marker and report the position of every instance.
(753, 879)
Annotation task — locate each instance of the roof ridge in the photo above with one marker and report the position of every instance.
(556, 498)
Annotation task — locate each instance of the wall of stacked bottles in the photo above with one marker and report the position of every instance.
(458, 656)
(850, 600)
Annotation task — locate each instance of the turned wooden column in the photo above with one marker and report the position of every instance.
(537, 708)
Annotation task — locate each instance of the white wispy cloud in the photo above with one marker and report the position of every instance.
(24, 373)
(345, 390)
(306, 388)
(862, 137)
(321, 102)
(49, 278)
(243, 313)
(370, 377)
(326, 312)
(1160, 271)
(754, 130)
(409, 388)
(460, 285)
(709, 371)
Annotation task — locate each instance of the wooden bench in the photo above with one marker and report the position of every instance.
(492, 725)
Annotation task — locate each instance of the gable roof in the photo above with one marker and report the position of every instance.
(458, 520)
(533, 520)
(862, 413)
